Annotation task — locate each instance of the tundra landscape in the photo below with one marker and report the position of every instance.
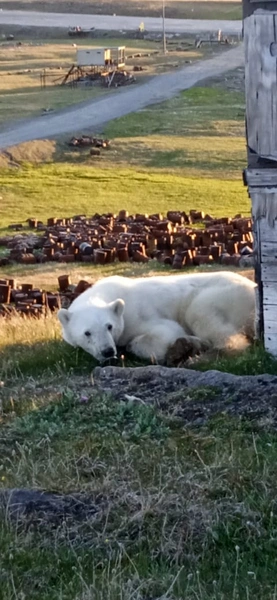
(128, 480)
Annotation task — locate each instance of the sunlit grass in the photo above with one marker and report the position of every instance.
(63, 190)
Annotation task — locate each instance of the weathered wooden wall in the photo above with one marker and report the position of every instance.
(252, 6)
(260, 40)
(266, 277)
(261, 83)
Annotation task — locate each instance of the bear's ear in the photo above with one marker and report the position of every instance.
(63, 316)
(117, 307)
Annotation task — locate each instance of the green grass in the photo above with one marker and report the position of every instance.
(199, 111)
(64, 190)
(30, 102)
(176, 134)
(253, 361)
(31, 348)
(186, 513)
(161, 163)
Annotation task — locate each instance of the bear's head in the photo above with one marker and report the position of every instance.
(94, 327)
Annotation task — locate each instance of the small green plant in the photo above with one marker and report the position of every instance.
(92, 414)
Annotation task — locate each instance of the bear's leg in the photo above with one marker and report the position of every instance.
(218, 334)
(159, 338)
(183, 349)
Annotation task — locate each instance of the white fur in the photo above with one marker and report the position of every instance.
(148, 315)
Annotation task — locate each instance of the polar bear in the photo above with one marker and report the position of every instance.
(147, 315)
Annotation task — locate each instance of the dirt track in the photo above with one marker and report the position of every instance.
(94, 114)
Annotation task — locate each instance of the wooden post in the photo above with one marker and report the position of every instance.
(260, 43)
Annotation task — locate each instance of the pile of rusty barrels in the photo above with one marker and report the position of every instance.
(180, 239)
(27, 300)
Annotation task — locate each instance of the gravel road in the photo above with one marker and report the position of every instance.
(110, 23)
(95, 113)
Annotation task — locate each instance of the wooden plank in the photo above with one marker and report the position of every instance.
(258, 279)
(264, 205)
(270, 318)
(269, 252)
(267, 145)
(270, 293)
(261, 178)
(270, 327)
(261, 84)
(250, 77)
(267, 88)
(250, 6)
(267, 233)
(268, 272)
(270, 344)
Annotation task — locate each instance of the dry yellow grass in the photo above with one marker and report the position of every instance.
(21, 94)
(19, 330)
(46, 276)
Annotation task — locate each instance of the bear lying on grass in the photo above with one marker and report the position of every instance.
(148, 315)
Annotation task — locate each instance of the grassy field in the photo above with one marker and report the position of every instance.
(103, 190)
(178, 9)
(160, 164)
(181, 511)
(156, 163)
(21, 67)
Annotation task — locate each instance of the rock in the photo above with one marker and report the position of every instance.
(194, 396)
(189, 377)
(247, 261)
(38, 505)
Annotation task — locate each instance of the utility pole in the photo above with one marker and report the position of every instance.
(164, 36)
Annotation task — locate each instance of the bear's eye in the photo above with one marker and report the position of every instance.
(109, 327)
(87, 333)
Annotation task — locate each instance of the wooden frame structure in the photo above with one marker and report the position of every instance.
(260, 41)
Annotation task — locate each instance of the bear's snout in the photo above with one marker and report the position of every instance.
(108, 353)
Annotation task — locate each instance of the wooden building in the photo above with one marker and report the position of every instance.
(260, 40)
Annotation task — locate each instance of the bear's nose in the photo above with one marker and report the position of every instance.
(108, 353)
